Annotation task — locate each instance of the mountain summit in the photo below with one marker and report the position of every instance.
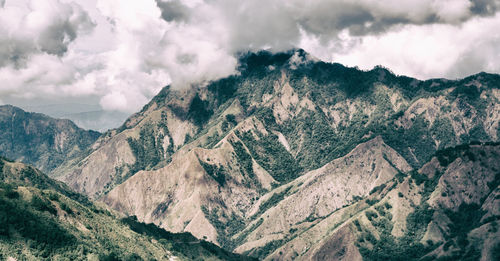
(294, 158)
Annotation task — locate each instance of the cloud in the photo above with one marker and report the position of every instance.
(38, 27)
(124, 51)
(429, 51)
(173, 10)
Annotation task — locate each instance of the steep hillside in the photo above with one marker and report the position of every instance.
(43, 220)
(318, 111)
(39, 140)
(252, 160)
(448, 210)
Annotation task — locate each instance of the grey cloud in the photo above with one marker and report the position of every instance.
(17, 45)
(2, 3)
(217, 29)
(484, 7)
(56, 38)
(151, 43)
(173, 10)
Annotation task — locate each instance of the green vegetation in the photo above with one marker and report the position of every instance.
(226, 226)
(199, 111)
(147, 149)
(244, 159)
(228, 123)
(45, 224)
(29, 176)
(389, 247)
(181, 244)
(216, 172)
(408, 247)
(39, 140)
(267, 249)
(272, 201)
(272, 156)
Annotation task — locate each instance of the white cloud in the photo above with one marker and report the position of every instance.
(428, 51)
(123, 51)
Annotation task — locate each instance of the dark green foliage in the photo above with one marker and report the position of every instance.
(267, 248)
(42, 205)
(494, 183)
(389, 247)
(371, 202)
(442, 130)
(224, 89)
(184, 244)
(229, 122)
(495, 252)
(66, 208)
(272, 156)
(32, 137)
(463, 221)
(371, 215)
(216, 172)
(448, 155)
(199, 111)
(272, 201)
(417, 177)
(378, 188)
(226, 226)
(29, 176)
(247, 232)
(317, 141)
(31, 221)
(416, 138)
(244, 159)
(468, 92)
(147, 150)
(358, 225)
(417, 223)
(254, 63)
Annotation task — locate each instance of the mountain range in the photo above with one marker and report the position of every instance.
(294, 158)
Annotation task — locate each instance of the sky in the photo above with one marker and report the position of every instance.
(117, 54)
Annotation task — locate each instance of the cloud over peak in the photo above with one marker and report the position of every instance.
(123, 52)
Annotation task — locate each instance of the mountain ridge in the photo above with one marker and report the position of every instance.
(38, 139)
(224, 160)
(44, 219)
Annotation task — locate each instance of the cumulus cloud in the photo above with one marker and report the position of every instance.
(124, 51)
(38, 27)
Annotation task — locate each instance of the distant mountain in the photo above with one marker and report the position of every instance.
(40, 140)
(253, 161)
(43, 219)
(86, 116)
(97, 120)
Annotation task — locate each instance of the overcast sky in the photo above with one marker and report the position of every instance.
(120, 53)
